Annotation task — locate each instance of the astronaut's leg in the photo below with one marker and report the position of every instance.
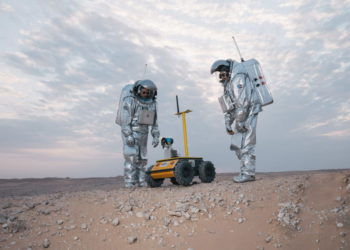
(141, 168)
(141, 139)
(130, 164)
(130, 170)
(248, 151)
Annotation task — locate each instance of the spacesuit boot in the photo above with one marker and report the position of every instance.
(130, 172)
(243, 178)
(247, 168)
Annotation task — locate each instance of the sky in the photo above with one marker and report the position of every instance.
(63, 65)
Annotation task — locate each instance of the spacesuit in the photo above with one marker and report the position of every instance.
(137, 111)
(241, 106)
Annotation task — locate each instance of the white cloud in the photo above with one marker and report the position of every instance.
(338, 133)
(6, 7)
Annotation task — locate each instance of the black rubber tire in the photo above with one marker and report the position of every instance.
(206, 171)
(184, 173)
(153, 182)
(173, 181)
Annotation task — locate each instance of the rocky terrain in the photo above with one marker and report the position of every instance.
(294, 210)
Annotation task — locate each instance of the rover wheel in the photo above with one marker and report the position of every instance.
(153, 182)
(184, 173)
(173, 181)
(206, 171)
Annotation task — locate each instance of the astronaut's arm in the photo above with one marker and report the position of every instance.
(155, 132)
(229, 118)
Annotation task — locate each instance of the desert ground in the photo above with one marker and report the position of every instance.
(287, 210)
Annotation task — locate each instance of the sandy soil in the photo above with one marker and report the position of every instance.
(295, 210)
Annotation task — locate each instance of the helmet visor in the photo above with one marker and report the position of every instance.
(222, 76)
(146, 93)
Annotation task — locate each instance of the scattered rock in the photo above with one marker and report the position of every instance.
(139, 214)
(60, 222)
(115, 222)
(174, 213)
(6, 205)
(84, 226)
(166, 221)
(287, 215)
(30, 205)
(241, 220)
(268, 239)
(46, 243)
(340, 225)
(348, 188)
(132, 239)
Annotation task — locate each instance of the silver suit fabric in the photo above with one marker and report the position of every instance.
(241, 118)
(135, 136)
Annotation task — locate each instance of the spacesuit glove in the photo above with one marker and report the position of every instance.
(130, 140)
(229, 130)
(155, 141)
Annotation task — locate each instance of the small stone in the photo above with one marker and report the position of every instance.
(45, 212)
(115, 222)
(175, 223)
(241, 220)
(166, 221)
(46, 243)
(342, 234)
(340, 225)
(30, 205)
(174, 213)
(348, 188)
(76, 238)
(59, 222)
(84, 226)
(187, 216)
(6, 205)
(268, 239)
(132, 239)
(139, 214)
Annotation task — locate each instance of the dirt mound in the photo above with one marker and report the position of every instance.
(302, 210)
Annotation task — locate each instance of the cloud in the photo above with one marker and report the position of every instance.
(338, 133)
(62, 75)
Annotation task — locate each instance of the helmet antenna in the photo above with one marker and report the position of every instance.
(144, 72)
(239, 52)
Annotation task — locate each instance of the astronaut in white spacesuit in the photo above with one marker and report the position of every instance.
(241, 106)
(137, 111)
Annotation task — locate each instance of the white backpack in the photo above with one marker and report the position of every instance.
(126, 92)
(253, 69)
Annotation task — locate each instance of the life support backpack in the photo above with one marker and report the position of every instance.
(126, 92)
(253, 69)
